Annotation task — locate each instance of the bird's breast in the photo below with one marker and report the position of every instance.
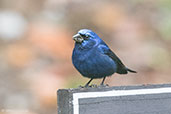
(93, 64)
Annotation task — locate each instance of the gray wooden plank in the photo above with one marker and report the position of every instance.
(142, 104)
(159, 103)
(63, 102)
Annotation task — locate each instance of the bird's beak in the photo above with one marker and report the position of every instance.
(78, 38)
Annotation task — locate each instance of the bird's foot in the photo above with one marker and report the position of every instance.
(89, 86)
(103, 85)
(80, 86)
(93, 86)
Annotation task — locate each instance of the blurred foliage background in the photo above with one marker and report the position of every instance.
(36, 46)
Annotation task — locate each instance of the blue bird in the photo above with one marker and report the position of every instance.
(93, 58)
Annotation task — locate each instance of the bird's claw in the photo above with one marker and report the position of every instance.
(93, 86)
(89, 86)
(104, 85)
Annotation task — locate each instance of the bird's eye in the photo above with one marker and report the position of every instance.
(86, 36)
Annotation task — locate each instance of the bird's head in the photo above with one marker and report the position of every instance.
(86, 38)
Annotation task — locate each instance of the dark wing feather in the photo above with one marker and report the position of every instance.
(121, 69)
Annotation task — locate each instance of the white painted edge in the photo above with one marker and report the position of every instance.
(77, 96)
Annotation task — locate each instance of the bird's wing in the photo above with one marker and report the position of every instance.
(121, 69)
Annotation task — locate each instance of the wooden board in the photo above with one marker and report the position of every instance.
(150, 99)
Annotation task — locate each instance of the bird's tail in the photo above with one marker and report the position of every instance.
(131, 70)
